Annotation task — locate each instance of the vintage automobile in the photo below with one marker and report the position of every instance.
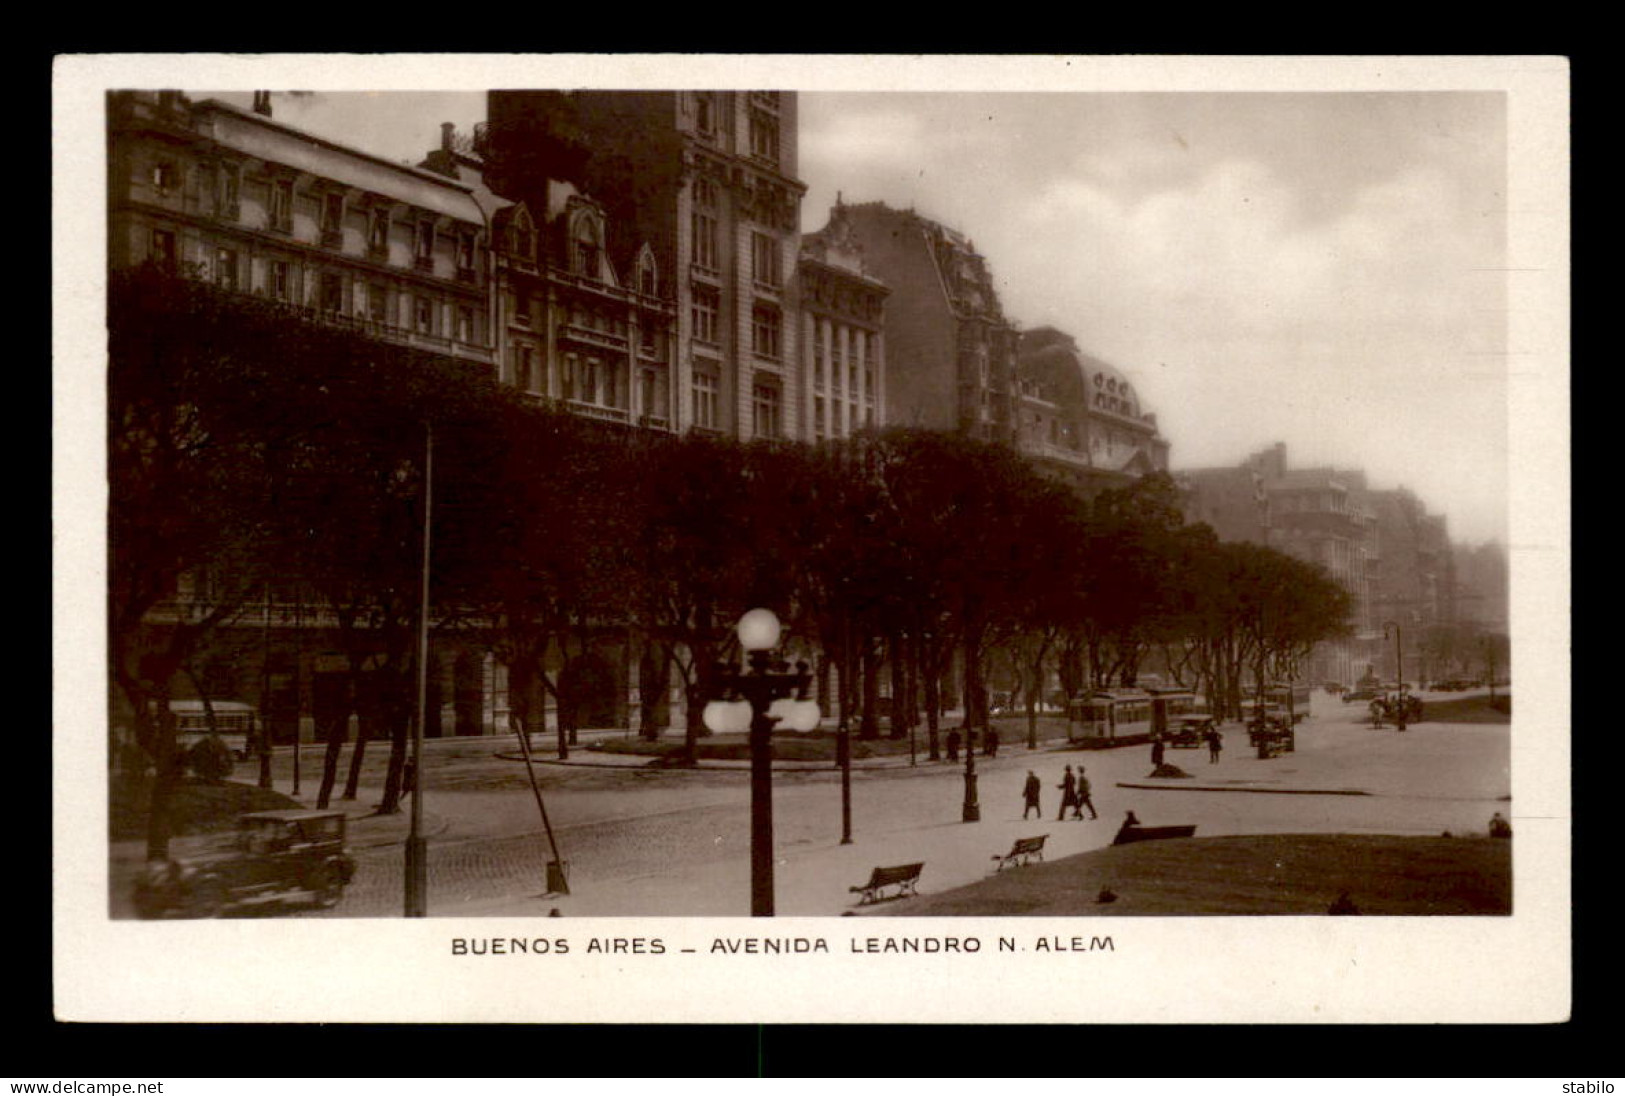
(1190, 730)
(274, 856)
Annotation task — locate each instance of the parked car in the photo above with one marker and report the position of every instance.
(274, 856)
(1190, 730)
(1364, 693)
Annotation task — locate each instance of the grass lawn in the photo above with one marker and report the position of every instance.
(1270, 874)
(196, 807)
(1470, 709)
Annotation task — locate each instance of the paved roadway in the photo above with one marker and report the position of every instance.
(677, 843)
(646, 843)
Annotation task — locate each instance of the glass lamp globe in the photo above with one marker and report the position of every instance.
(781, 710)
(803, 716)
(717, 716)
(758, 630)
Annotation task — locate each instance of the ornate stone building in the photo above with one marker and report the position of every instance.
(205, 190)
(843, 315)
(257, 207)
(1080, 420)
(592, 330)
(706, 180)
(950, 350)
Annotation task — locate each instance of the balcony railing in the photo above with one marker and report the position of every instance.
(596, 411)
(594, 337)
(387, 332)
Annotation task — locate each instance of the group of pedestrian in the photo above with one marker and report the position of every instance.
(1075, 795)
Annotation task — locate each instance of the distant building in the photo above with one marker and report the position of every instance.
(950, 350)
(1482, 586)
(1318, 515)
(1079, 419)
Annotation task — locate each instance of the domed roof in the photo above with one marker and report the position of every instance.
(1108, 389)
(1053, 359)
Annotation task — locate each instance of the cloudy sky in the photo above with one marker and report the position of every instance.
(1324, 269)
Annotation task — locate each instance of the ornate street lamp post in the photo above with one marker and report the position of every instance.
(972, 810)
(843, 750)
(1399, 672)
(417, 851)
(765, 694)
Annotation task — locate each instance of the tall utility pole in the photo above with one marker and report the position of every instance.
(417, 868)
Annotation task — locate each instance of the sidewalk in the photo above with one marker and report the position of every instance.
(1339, 780)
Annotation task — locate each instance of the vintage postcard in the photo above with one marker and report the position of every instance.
(573, 538)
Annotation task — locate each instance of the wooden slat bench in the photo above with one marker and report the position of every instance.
(1025, 849)
(903, 877)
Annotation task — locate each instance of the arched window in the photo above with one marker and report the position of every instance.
(648, 282)
(522, 236)
(586, 247)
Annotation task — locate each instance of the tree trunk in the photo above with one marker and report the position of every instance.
(337, 733)
(168, 764)
(653, 670)
(933, 709)
(399, 720)
(358, 756)
(899, 688)
(868, 724)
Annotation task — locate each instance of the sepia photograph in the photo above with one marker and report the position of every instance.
(1056, 513)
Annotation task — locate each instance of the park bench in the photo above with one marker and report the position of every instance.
(903, 877)
(1025, 849)
(1128, 835)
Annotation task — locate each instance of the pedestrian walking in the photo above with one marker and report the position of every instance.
(991, 737)
(1156, 752)
(1215, 744)
(1069, 793)
(1084, 799)
(953, 745)
(1029, 795)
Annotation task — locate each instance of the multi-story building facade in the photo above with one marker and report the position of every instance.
(842, 335)
(1413, 577)
(205, 190)
(572, 325)
(950, 350)
(1079, 419)
(706, 181)
(257, 207)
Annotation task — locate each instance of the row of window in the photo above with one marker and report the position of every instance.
(589, 379)
(767, 322)
(222, 184)
(827, 416)
(766, 250)
(767, 406)
(228, 268)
